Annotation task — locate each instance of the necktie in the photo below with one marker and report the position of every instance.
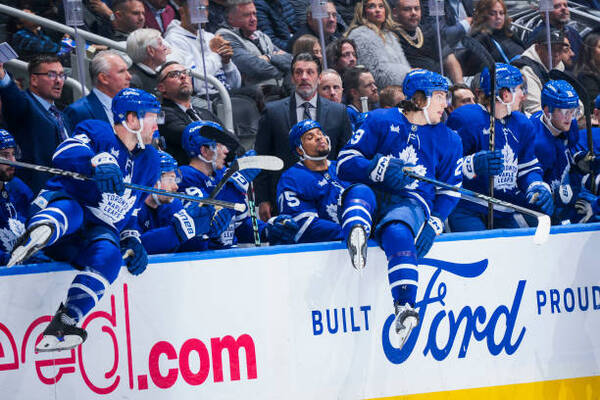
(192, 114)
(61, 123)
(306, 113)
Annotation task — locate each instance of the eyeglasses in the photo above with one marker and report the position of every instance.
(52, 75)
(177, 74)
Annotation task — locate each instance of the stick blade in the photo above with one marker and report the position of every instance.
(269, 163)
(542, 232)
(239, 207)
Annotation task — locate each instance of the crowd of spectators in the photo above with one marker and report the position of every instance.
(270, 53)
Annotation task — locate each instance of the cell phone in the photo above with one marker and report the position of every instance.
(7, 53)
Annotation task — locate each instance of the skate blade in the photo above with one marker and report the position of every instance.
(38, 237)
(358, 241)
(52, 343)
(403, 334)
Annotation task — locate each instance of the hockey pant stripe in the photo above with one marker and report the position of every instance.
(56, 215)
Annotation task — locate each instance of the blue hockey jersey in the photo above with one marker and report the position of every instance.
(15, 197)
(140, 167)
(515, 137)
(434, 149)
(312, 198)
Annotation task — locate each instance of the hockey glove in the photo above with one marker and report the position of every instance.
(587, 205)
(483, 163)
(241, 179)
(587, 164)
(388, 171)
(430, 230)
(539, 194)
(107, 174)
(281, 229)
(220, 220)
(192, 221)
(133, 252)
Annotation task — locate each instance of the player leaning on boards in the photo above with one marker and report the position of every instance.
(90, 224)
(516, 170)
(325, 207)
(388, 141)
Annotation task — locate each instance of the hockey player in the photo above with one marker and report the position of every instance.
(516, 170)
(410, 212)
(202, 141)
(15, 197)
(556, 143)
(325, 207)
(91, 224)
(165, 224)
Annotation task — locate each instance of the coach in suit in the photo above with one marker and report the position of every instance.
(109, 75)
(31, 116)
(281, 115)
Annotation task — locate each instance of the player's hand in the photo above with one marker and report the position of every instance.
(264, 211)
(220, 220)
(587, 205)
(432, 228)
(241, 179)
(191, 221)
(485, 163)
(281, 229)
(134, 254)
(107, 174)
(538, 194)
(389, 171)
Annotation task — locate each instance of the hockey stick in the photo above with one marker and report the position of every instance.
(587, 110)
(76, 175)
(542, 232)
(490, 63)
(268, 163)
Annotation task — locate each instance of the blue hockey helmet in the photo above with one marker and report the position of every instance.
(597, 102)
(167, 162)
(133, 100)
(559, 94)
(300, 129)
(425, 81)
(6, 140)
(507, 76)
(201, 133)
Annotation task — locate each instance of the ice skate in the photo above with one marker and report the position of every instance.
(61, 334)
(33, 241)
(357, 247)
(406, 320)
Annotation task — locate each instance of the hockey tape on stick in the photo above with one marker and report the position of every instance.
(76, 175)
(542, 232)
(267, 163)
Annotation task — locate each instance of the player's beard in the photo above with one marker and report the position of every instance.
(7, 174)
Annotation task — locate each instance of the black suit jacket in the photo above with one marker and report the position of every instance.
(175, 122)
(88, 107)
(35, 130)
(273, 137)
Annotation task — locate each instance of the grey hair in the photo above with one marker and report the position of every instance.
(101, 64)
(332, 72)
(139, 40)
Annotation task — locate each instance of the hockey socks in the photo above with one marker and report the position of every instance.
(398, 243)
(358, 205)
(65, 216)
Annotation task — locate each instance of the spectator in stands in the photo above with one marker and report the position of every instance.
(456, 22)
(491, 27)
(359, 83)
(158, 14)
(36, 123)
(330, 85)
(341, 55)
(148, 52)
(185, 43)
(588, 66)
(253, 52)
(331, 29)
(276, 19)
(567, 56)
(534, 66)
(377, 46)
(109, 75)
(308, 44)
(278, 118)
(460, 94)
(391, 96)
(560, 17)
(175, 87)
(419, 43)
(30, 40)
(128, 16)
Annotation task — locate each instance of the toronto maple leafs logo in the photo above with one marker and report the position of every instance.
(113, 208)
(507, 180)
(332, 211)
(409, 156)
(9, 235)
(114, 152)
